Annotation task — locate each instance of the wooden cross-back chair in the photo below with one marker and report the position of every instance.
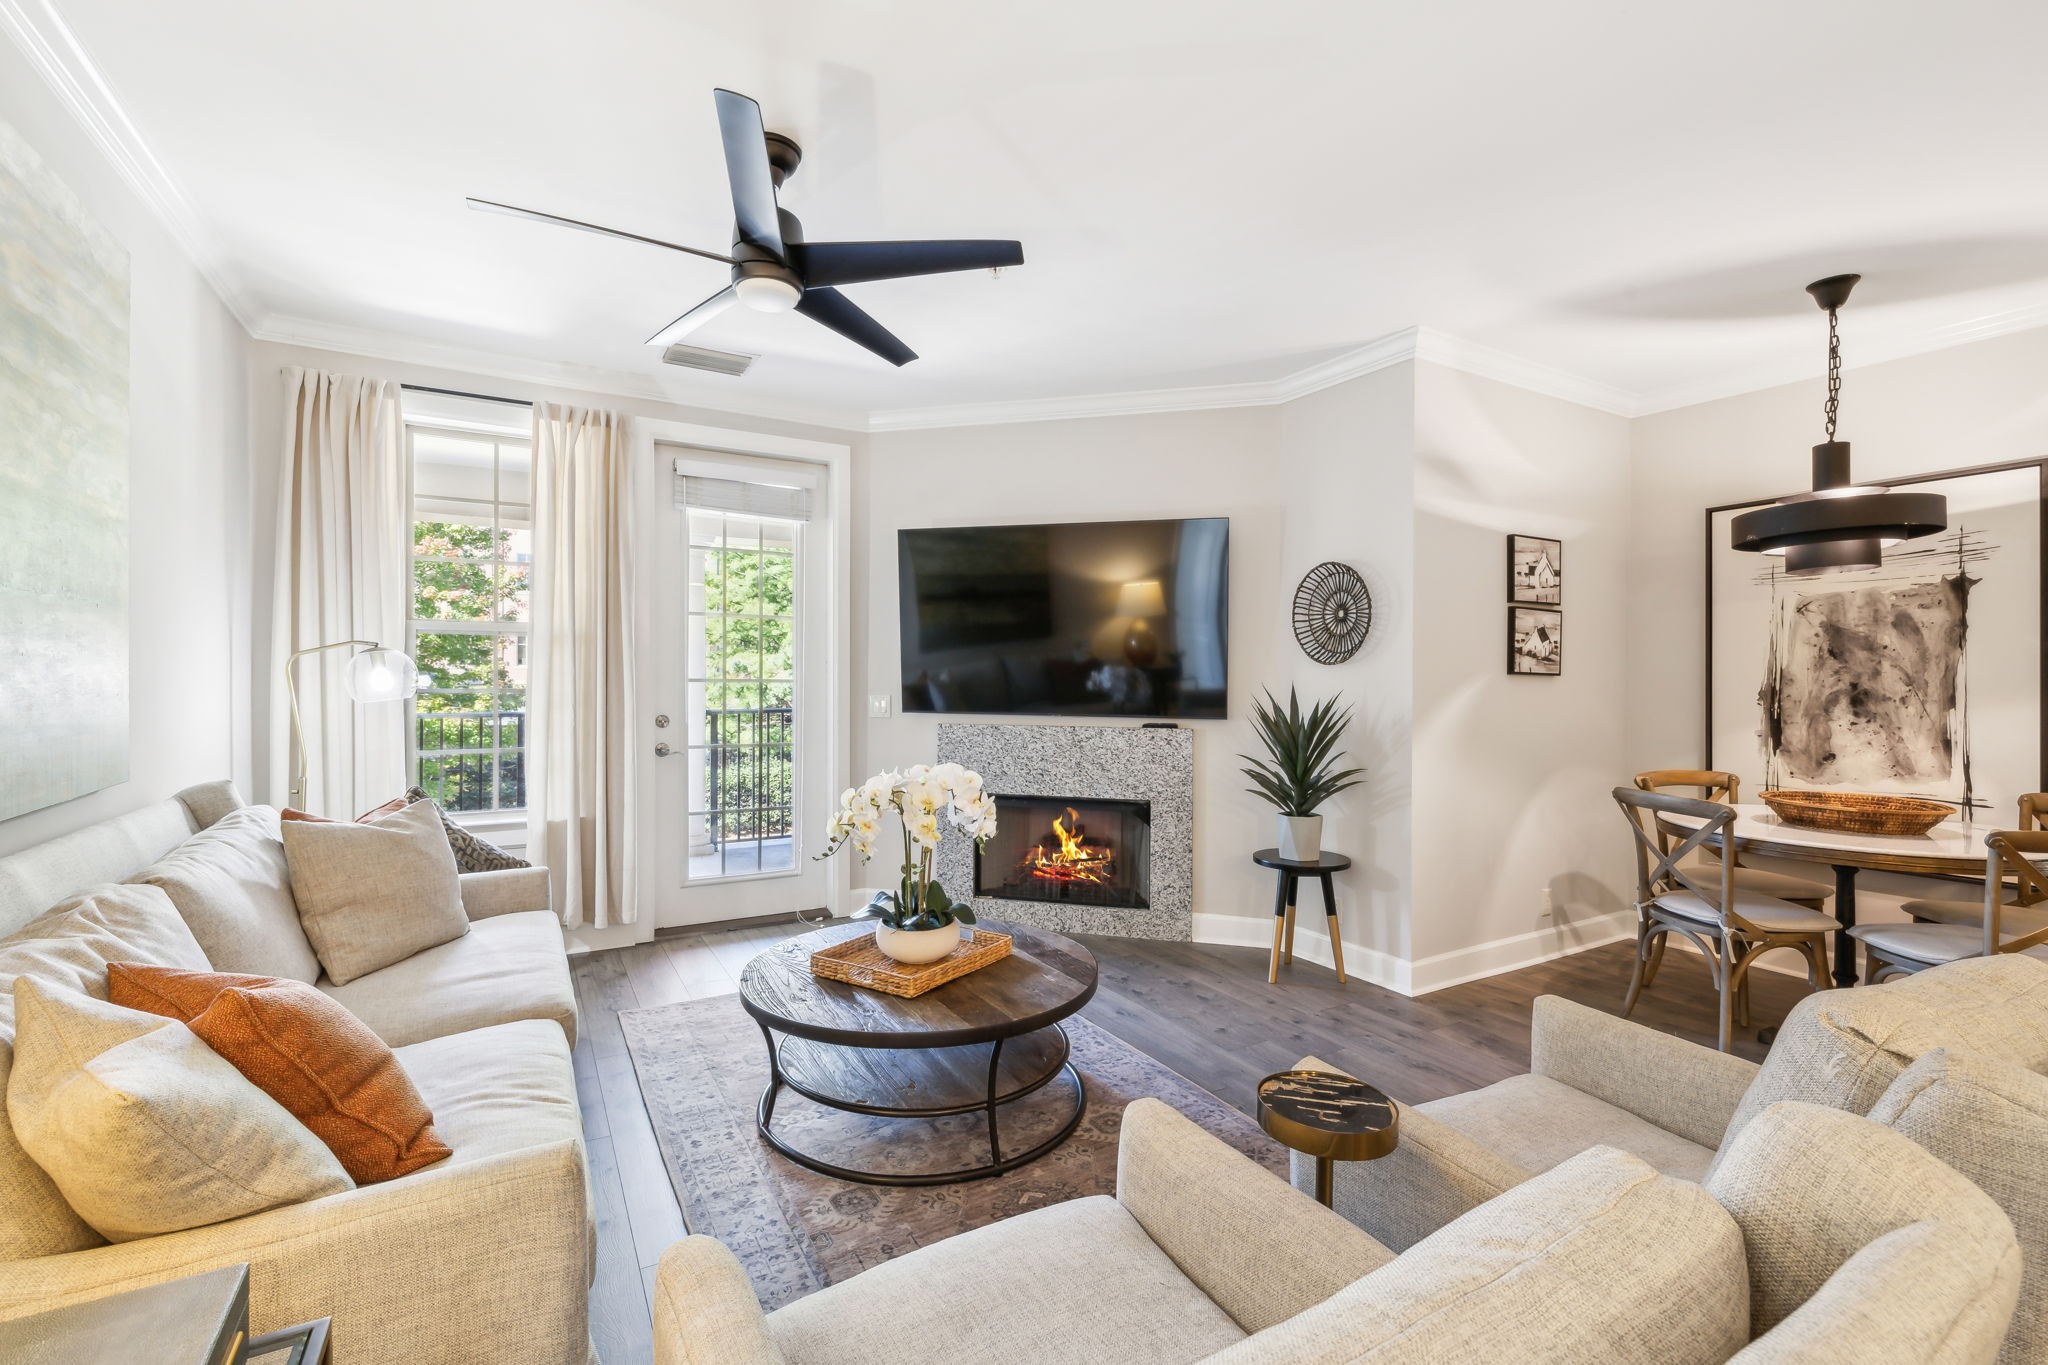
(1970, 911)
(1726, 788)
(1700, 902)
(2015, 925)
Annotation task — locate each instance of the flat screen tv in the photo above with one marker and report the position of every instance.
(1095, 618)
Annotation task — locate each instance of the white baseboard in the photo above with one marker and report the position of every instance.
(1310, 944)
(1460, 965)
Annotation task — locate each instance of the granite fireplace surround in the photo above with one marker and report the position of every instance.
(1091, 762)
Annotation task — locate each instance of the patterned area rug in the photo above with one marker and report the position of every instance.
(702, 1065)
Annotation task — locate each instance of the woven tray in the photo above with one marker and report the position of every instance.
(1857, 812)
(859, 962)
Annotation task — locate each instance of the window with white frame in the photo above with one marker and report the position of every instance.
(472, 552)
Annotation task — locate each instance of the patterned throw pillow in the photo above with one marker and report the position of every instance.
(472, 854)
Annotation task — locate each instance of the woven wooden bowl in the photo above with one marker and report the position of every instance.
(1857, 812)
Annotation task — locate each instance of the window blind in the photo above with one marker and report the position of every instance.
(742, 497)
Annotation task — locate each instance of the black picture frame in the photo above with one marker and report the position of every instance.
(2039, 464)
(1521, 549)
(1525, 665)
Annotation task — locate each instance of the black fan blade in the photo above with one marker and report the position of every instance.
(746, 166)
(696, 317)
(843, 316)
(490, 206)
(855, 262)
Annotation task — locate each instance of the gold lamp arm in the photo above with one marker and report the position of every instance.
(297, 793)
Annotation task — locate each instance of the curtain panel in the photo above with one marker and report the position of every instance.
(582, 798)
(343, 572)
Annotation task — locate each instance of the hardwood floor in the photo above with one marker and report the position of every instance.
(1207, 1012)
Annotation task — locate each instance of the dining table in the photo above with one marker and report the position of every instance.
(1953, 848)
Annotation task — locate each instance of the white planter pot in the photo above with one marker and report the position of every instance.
(1301, 838)
(916, 946)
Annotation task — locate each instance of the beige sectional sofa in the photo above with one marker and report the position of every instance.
(1889, 1258)
(484, 1256)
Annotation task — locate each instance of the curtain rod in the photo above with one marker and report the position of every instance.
(463, 393)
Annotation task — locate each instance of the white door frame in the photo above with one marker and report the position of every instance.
(653, 475)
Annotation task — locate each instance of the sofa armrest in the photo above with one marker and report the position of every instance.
(489, 1254)
(506, 891)
(705, 1312)
(1434, 1175)
(1261, 1251)
(1680, 1086)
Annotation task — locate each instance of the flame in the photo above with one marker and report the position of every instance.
(1076, 860)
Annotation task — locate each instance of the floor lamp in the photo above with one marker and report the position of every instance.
(374, 674)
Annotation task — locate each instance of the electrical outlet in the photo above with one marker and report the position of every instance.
(1549, 907)
(878, 704)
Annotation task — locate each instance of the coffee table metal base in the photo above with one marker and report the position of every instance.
(1056, 1061)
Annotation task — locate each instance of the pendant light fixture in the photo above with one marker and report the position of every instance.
(1841, 524)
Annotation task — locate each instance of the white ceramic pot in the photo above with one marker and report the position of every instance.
(914, 947)
(1301, 838)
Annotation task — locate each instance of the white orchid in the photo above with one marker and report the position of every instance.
(926, 798)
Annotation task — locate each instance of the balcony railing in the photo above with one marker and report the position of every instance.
(464, 755)
(749, 771)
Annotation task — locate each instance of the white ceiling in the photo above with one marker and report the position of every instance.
(1208, 193)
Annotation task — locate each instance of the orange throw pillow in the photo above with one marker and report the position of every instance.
(305, 1051)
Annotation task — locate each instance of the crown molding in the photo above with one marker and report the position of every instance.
(1488, 362)
(60, 59)
(373, 344)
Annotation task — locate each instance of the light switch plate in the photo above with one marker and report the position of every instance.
(878, 704)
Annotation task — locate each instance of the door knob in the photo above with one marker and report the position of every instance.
(662, 751)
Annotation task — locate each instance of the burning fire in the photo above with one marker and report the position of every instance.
(1075, 860)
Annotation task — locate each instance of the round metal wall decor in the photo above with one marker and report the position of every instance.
(1332, 612)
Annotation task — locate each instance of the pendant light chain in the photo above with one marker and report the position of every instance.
(1834, 373)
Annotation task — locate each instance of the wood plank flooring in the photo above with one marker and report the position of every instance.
(1207, 1012)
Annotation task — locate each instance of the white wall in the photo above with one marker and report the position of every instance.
(1512, 774)
(1326, 477)
(188, 493)
(1975, 404)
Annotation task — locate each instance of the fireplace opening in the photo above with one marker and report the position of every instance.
(1069, 850)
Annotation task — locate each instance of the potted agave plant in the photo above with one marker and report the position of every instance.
(919, 921)
(1300, 771)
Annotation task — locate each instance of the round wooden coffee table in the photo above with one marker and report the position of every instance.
(975, 1043)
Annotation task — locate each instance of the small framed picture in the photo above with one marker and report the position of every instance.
(1536, 641)
(1535, 571)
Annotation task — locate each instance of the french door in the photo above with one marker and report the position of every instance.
(743, 660)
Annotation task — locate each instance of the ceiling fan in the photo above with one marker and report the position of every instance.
(774, 270)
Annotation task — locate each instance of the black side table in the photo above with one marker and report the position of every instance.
(1329, 1117)
(1291, 873)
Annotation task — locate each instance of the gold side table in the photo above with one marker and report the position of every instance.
(1329, 1117)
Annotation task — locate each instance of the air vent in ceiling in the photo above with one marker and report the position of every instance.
(699, 358)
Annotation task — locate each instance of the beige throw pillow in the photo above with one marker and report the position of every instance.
(371, 895)
(70, 946)
(1842, 1048)
(230, 883)
(143, 1127)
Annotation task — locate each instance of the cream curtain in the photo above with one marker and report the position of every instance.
(343, 565)
(582, 758)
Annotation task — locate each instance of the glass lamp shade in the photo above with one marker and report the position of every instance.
(381, 675)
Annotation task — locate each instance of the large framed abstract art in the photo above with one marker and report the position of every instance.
(63, 491)
(1922, 677)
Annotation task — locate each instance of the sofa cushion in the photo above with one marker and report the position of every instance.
(307, 1052)
(70, 946)
(371, 895)
(1078, 1283)
(1989, 1120)
(498, 1089)
(231, 884)
(1600, 1258)
(1537, 1122)
(1812, 1186)
(1843, 1048)
(144, 1128)
(506, 967)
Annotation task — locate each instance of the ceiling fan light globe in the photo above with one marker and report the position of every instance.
(767, 293)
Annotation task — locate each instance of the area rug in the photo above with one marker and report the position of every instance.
(702, 1065)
